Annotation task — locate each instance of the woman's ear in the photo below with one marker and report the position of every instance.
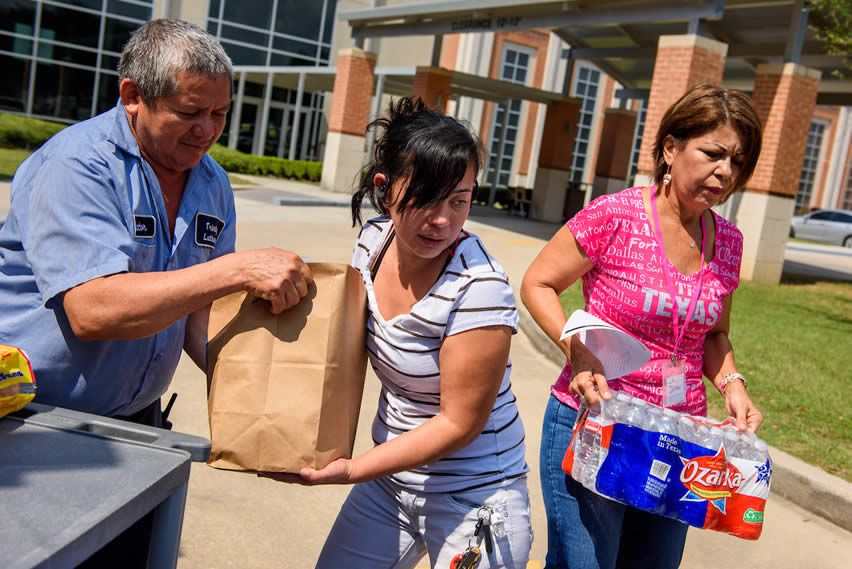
(670, 148)
(380, 187)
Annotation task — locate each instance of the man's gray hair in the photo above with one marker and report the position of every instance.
(162, 49)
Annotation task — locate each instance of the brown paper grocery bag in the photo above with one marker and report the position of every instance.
(284, 391)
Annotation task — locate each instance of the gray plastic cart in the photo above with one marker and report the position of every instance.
(70, 482)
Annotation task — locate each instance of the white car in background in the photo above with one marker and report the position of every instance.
(827, 225)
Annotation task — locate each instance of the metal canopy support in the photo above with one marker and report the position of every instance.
(436, 50)
(260, 139)
(492, 194)
(294, 132)
(796, 36)
(377, 111)
(236, 115)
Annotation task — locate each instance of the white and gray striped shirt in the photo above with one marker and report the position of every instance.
(473, 291)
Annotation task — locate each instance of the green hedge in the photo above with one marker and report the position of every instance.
(22, 132)
(28, 133)
(242, 163)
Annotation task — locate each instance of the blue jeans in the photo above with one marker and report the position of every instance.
(587, 531)
(383, 525)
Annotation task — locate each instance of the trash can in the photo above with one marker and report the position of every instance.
(70, 482)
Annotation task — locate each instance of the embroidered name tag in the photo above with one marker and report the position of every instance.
(145, 226)
(207, 229)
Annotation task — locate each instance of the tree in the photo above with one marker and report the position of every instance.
(831, 22)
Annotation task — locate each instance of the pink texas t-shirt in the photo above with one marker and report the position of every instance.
(627, 287)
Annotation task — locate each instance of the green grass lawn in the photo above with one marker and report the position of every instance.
(794, 343)
(10, 159)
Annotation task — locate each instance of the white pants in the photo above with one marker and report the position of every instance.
(384, 526)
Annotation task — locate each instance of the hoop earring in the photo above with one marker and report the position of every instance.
(667, 179)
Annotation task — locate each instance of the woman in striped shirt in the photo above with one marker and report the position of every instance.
(449, 443)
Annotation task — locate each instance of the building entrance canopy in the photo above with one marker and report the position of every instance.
(621, 36)
(398, 81)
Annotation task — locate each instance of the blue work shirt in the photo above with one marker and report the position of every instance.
(87, 205)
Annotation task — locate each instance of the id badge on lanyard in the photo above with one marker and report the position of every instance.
(674, 369)
(674, 382)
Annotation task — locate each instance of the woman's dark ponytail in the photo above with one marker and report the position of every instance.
(431, 150)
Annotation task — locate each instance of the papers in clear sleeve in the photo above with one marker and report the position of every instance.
(619, 352)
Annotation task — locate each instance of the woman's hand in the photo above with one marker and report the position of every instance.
(338, 471)
(742, 411)
(589, 381)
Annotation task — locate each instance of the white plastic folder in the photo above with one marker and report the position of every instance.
(619, 352)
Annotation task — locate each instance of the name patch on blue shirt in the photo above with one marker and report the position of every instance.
(145, 226)
(207, 229)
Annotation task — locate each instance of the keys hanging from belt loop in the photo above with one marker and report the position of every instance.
(467, 560)
(483, 529)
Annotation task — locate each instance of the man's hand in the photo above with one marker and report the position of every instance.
(279, 276)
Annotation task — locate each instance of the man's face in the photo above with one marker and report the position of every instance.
(175, 132)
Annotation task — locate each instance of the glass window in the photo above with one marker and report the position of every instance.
(259, 39)
(281, 59)
(637, 139)
(116, 34)
(107, 92)
(328, 28)
(109, 62)
(16, 78)
(241, 55)
(16, 45)
(13, 14)
(48, 50)
(256, 14)
(90, 4)
(514, 69)
(810, 165)
(299, 18)
(71, 26)
(822, 216)
(585, 88)
(63, 92)
(294, 46)
(131, 10)
(214, 9)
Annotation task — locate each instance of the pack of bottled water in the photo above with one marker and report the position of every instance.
(694, 469)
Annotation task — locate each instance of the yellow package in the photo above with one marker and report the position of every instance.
(17, 382)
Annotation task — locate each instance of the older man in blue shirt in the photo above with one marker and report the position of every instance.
(121, 234)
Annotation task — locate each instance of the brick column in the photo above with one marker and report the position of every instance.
(682, 61)
(616, 142)
(347, 122)
(554, 161)
(785, 98)
(432, 84)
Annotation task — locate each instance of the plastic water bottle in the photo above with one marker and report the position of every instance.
(688, 430)
(757, 451)
(593, 460)
(713, 440)
(635, 415)
(668, 422)
(623, 403)
(732, 444)
(653, 416)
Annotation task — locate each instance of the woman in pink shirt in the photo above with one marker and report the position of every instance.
(658, 263)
